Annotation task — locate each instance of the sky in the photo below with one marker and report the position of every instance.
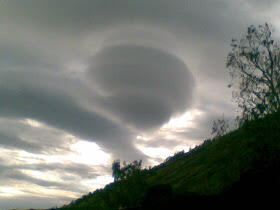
(83, 83)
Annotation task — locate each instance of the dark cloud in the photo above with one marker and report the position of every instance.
(139, 84)
(64, 15)
(17, 175)
(19, 135)
(69, 170)
(16, 55)
(62, 112)
(71, 174)
(181, 15)
(81, 170)
(16, 143)
(106, 70)
(163, 142)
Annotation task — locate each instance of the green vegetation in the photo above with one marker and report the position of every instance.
(216, 164)
(243, 160)
(209, 169)
(128, 170)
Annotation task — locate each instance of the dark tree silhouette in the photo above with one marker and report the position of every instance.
(254, 63)
(127, 170)
(116, 170)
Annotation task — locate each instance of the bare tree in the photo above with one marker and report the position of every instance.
(220, 127)
(254, 63)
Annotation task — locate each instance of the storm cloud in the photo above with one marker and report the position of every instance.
(82, 79)
(138, 84)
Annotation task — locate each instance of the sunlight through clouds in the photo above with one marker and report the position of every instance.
(99, 182)
(10, 191)
(89, 153)
(33, 123)
(170, 137)
(156, 152)
(183, 121)
(27, 179)
(46, 176)
(78, 90)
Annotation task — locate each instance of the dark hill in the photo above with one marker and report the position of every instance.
(242, 166)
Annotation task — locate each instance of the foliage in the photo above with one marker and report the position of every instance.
(213, 167)
(116, 170)
(208, 169)
(128, 170)
(254, 63)
(175, 156)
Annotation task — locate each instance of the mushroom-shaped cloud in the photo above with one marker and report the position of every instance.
(143, 86)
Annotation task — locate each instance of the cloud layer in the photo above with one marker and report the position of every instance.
(85, 82)
(138, 84)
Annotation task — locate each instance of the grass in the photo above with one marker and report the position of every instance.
(208, 170)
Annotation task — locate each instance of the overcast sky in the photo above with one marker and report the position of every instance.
(85, 82)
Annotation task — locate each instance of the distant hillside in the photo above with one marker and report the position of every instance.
(245, 160)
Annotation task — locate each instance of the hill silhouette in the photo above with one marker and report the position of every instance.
(239, 169)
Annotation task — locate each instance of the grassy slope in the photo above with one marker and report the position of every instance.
(209, 169)
(215, 165)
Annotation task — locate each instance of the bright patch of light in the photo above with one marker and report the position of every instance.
(183, 121)
(154, 162)
(30, 158)
(31, 189)
(53, 192)
(98, 182)
(143, 138)
(90, 153)
(74, 69)
(83, 152)
(154, 152)
(10, 191)
(182, 148)
(47, 176)
(169, 132)
(73, 150)
(33, 123)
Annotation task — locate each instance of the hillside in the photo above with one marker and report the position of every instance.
(245, 160)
